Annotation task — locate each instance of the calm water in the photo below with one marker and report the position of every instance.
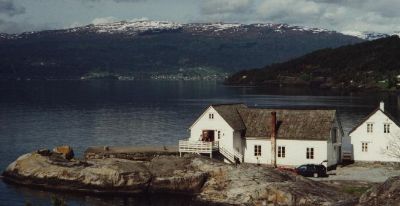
(46, 114)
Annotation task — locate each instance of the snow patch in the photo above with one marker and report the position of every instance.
(367, 35)
(134, 27)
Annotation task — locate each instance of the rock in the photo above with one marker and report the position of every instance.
(44, 152)
(175, 174)
(387, 193)
(65, 150)
(208, 180)
(259, 185)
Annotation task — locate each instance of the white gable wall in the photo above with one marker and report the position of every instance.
(216, 124)
(378, 141)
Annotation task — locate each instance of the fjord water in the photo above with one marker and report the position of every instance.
(44, 114)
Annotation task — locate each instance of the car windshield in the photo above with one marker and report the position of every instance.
(302, 167)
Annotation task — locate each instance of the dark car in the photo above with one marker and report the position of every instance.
(311, 170)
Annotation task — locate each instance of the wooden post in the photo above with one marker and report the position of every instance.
(210, 149)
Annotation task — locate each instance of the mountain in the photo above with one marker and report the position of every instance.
(368, 65)
(157, 49)
(369, 35)
(366, 35)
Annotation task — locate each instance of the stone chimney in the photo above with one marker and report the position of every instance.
(382, 106)
(273, 138)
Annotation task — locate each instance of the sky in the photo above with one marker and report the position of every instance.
(18, 16)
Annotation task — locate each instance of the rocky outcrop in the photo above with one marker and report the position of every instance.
(66, 151)
(387, 193)
(207, 180)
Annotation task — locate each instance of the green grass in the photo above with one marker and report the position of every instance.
(356, 191)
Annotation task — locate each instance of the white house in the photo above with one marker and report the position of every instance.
(277, 137)
(373, 138)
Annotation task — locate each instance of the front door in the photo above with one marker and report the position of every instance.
(208, 136)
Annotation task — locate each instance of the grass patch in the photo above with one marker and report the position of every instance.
(356, 191)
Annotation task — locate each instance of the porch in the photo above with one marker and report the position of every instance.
(198, 147)
(204, 147)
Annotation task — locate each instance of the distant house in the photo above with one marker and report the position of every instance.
(371, 138)
(277, 137)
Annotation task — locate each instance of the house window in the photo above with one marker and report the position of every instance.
(281, 151)
(310, 153)
(334, 135)
(386, 128)
(211, 116)
(370, 127)
(364, 147)
(257, 150)
(219, 134)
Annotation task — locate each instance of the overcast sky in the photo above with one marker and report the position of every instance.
(341, 15)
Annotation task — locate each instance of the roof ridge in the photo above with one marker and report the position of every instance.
(292, 109)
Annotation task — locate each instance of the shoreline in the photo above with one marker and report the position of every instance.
(205, 180)
(310, 87)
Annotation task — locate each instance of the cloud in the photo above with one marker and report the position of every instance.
(117, 1)
(224, 6)
(104, 20)
(9, 8)
(9, 27)
(341, 15)
(290, 11)
(12, 27)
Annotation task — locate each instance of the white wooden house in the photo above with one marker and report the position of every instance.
(372, 139)
(277, 137)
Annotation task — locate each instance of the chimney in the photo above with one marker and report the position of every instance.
(382, 106)
(273, 139)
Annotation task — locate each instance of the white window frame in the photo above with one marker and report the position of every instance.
(281, 151)
(210, 116)
(310, 153)
(370, 127)
(386, 128)
(257, 150)
(364, 146)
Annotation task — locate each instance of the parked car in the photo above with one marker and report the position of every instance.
(311, 170)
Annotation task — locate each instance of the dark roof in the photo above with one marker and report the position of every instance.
(292, 124)
(231, 115)
(372, 113)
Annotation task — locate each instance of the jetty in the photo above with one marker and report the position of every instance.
(143, 153)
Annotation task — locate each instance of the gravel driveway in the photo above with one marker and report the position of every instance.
(366, 172)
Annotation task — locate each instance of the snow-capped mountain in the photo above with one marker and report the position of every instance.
(150, 48)
(128, 27)
(137, 27)
(133, 28)
(7, 36)
(370, 35)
